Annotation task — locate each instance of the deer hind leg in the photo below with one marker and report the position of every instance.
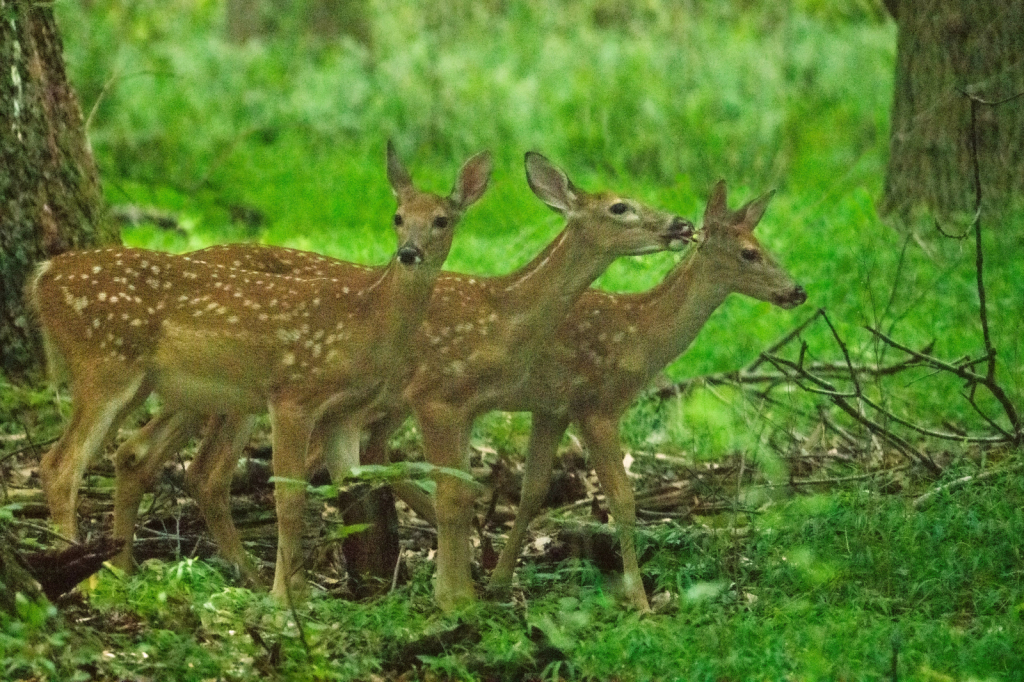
(545, 435)
(291, 433)
(136, 465)
(102, 400)
(446, 442)
(208, 481)
(601, 435)
(375, 452)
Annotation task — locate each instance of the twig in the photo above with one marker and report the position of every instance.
(30, 446)
(960, 438)
(394, 575)
(962, 481)
(295, 615)
(840, 400)
(99, 98)
(845, 351)
(786, 338)
(745, 377)
(972, 378)
(43, 529)
(830, 481)
(989, 381)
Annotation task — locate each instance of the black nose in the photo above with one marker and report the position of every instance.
(799, 295)
(681, 227)
(409, 255)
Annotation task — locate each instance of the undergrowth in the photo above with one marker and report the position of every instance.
(854, 585)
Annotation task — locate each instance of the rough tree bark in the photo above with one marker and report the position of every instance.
(50, 197)
(943, 46)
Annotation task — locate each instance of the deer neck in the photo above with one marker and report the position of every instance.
(398, 301)
(553, 281)
(680, 306)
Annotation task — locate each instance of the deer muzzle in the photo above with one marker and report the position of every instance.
(410, 255)
(792, 298)
(680, 233)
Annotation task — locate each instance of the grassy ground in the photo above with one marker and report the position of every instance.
(851, 585)
(656, 102)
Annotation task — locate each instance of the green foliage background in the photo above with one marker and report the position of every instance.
(654, 99)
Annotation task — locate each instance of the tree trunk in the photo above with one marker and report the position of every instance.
(371, 556)
(49, 187)
(943, 46)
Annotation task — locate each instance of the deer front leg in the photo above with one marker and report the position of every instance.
(445, 441)
(136, 465)
(208, 481)
(101, 402)
(601, 435)
(545, 435)
(291, 431)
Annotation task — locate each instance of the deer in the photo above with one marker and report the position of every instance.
(477, 343)
(121, 323)
(609, 349)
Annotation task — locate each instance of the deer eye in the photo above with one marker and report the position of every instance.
(618, 208)
(398, 219)
(751, 255)
(441, 222)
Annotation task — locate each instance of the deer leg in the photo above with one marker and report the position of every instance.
(545, 435)
(136, 465)
(339, 442)
(208, 481)
(291, 432)
(100, 404)
(446, 442)
(375, 452)
(601, 435)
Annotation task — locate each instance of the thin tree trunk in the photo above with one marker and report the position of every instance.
(944, 46)
(50, 196)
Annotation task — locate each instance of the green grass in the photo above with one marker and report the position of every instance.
(821, 588)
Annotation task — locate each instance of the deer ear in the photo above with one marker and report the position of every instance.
(750, 215)
(550, 183)
(717, 206)
(398, 176)
(472, 181)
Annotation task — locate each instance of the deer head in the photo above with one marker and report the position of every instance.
(727, 238)
(617, 224)
(423, 220)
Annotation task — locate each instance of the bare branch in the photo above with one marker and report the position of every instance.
(789, 336)
(964, 480)
(960, 438)
(839, 399)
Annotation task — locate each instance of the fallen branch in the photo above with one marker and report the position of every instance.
(840, 400)
(58, 571)
(962, 481)
(796, 483)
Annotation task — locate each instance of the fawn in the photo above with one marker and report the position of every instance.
(479, 341)
(612, 345)
(209, 338)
